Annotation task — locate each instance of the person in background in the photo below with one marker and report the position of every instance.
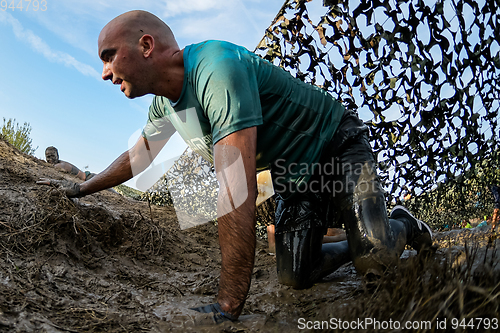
(466, 224)
(52, 157)
(405, 194)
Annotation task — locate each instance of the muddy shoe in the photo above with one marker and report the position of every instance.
(419, 233)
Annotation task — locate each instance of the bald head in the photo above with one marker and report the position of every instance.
(131, 26)
(51, 149)
(139, 53)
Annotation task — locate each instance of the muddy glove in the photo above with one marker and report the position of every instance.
(71, 189)
(218, 315)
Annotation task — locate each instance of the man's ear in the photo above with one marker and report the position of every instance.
(147, 44)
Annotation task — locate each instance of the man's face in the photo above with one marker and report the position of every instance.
(122, 62)
(52, 156)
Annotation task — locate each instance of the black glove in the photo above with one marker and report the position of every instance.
(71, 189)
(88, 175)
(218, 315)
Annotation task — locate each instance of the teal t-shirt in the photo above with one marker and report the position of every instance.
(228, 88)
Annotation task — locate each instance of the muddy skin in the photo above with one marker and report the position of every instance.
(51, 155)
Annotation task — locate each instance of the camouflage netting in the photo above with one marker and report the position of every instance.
(467, 197)
(190, 186)
(423, 74)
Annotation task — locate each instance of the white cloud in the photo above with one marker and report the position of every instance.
(100, 9)
(43, 48)
(176, 7)
(78, 22)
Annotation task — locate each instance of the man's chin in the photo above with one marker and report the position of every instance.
(130, 94)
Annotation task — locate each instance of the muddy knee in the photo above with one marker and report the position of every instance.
(298, 257)
(294, 279)
(375, 241)
(378, 259)
(371, 253)
(375, 254)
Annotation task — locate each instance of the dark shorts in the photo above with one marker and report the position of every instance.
(349, 154)
(344, 191)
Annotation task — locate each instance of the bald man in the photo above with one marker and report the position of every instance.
(244, 114)
(52, 157)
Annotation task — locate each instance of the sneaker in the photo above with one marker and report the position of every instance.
(420, 234)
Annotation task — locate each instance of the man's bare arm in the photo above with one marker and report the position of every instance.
(126, 166)
(236, 211)
(68, 167)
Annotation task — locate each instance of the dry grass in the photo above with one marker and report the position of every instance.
(443, 286)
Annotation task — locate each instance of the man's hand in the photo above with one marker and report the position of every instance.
(217, 316)
(71, 189)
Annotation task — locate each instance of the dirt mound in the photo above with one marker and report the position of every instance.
(94, 263)
(109, 263)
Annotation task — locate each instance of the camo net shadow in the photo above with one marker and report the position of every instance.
(191, 187)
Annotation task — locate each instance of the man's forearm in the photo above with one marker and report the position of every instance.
(126, 166)
(237, 243)
(117, 173)
(234, 158)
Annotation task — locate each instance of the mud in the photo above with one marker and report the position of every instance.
(109, 263)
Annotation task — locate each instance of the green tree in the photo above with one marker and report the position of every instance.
(18, 136)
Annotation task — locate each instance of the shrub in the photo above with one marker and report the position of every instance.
(18, 136)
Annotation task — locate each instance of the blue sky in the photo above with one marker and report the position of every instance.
(50, 74)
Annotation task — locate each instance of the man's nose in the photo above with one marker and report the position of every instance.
(106, 72)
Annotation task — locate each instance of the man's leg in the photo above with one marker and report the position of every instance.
(301, 258)
(298, 257)
(360, 202)
(375, 241)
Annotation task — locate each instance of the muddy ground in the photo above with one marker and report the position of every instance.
(106, 263)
